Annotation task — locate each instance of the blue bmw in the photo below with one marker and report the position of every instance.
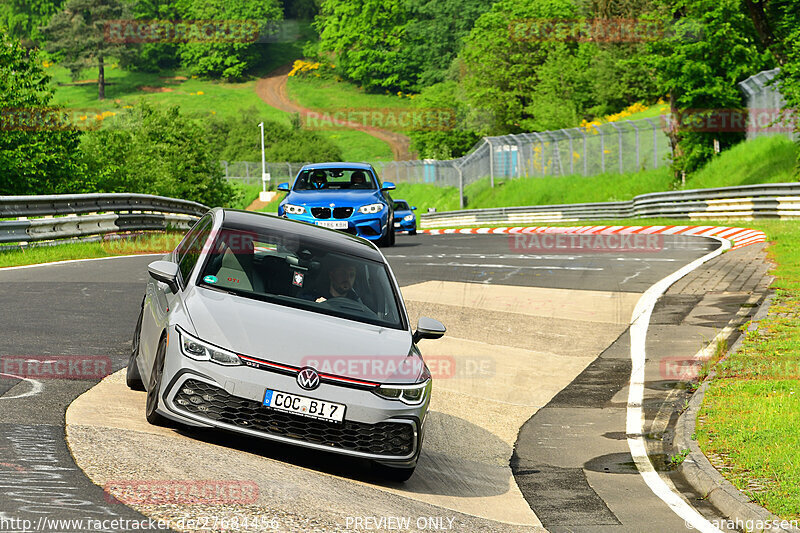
(404, 218)
(343, 196)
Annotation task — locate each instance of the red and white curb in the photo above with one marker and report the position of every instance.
(738, 236)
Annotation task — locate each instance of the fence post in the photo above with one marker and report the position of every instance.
(491, 161)
(460, 185)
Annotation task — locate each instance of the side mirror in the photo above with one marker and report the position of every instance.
(388, 186)
(428, 328)
(165, 272)
(284, 187)
(413, 208)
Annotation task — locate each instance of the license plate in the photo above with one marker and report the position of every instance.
(303, 406)
(396, 224)
(332, 224)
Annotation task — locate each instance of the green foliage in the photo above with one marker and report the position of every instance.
(436, 34)
(226, 60)
(154, 57)
(76, 35)
(713, 48)
(23, 18)
(450, 141)
(240, 139)
(367, 39)
(35, 158)
(500, 67)
(157, 151)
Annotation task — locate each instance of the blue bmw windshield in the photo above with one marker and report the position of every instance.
(334, 178)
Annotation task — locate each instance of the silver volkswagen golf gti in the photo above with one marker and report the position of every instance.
(283, 330)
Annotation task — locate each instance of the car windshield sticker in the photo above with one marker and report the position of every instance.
(210, 279)
(297, 279)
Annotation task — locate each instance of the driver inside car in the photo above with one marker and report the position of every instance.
(340, 280)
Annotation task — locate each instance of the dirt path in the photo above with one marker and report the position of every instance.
(272, 89)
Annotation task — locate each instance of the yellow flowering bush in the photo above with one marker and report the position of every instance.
(303, 67)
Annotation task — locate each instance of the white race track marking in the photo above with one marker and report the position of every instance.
(488, 265)
(36, 387)
(640, 320)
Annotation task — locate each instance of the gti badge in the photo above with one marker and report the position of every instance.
(308, 379)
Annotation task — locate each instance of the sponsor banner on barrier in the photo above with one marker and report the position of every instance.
(91, 367)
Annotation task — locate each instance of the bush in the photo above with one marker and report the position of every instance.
(156, 151)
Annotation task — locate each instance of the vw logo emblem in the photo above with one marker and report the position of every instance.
(308, 379)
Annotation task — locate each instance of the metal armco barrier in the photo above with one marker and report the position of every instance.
(69, 216)
(772, 200)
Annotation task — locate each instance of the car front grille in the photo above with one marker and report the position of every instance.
(342, 212)
(201, 399)
(321, 212)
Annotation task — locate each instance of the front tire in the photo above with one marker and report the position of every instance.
(155, 386)
(413, 231)
(133, 377)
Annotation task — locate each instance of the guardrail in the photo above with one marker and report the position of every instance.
(70, 216)
(772, 200)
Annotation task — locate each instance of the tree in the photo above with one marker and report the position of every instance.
(239, 139)
(225, 58)
(38, 148)
(154, 56)
(712, 49)
(77, 35)
(23, 18)
(157, 151)
(436, 34)
(367, 39)
(500, 60)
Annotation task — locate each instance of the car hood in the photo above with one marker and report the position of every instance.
(403, 213)
(340, 198)
(289, 336)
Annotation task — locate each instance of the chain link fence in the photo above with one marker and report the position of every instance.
(764, 106)
(250, 172)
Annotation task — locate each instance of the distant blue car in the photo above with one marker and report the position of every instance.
(345, 196)
(404, 218)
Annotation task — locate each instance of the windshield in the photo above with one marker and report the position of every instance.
(401, 206)
(289, 270)
(334, 178)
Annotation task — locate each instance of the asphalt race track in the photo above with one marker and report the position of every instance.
(527, 429)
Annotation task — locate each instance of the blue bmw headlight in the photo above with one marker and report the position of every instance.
(294, 209)
(370, 209)
(408, 218)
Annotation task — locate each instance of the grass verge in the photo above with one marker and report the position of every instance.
(149, 243)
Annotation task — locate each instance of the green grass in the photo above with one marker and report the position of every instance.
(124, 88)
(751, 411)
(651, 112)
(248, 193)
(330, 95)
(139, 244)
(359, 146)
(762, 160)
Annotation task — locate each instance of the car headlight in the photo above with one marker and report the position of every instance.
(410, 394)
(370, 209)
(408, 218)
(294, 209)
(201, 351)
